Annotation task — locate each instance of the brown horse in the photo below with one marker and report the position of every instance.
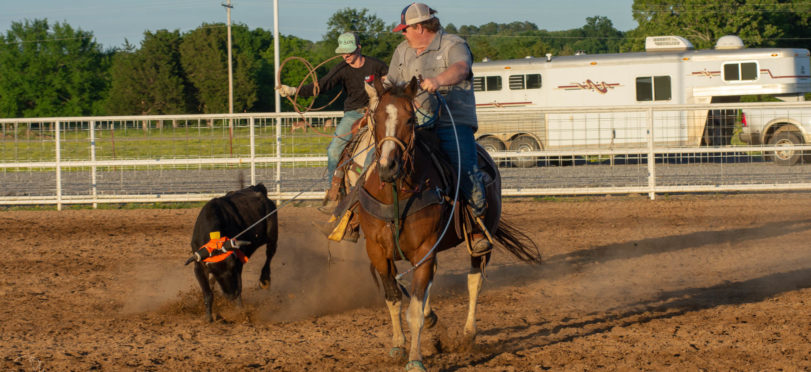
(404, 215)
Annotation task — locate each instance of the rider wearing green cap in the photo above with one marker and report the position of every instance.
(351, 74)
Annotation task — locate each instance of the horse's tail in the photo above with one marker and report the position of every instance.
(518, 243)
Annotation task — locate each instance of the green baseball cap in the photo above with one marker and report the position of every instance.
(347, 43)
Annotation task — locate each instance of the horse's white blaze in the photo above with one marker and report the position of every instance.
(474, 286)
(398, 337)
(391, 127)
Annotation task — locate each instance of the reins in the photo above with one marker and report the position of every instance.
(396, 227)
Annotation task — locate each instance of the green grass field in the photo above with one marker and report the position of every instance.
(172, 143)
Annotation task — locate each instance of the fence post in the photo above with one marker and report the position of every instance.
(278, 159)
(93, 161)
(651, 158)
(57, 136)
(253, 151)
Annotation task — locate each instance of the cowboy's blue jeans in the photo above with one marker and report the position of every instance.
(472, 184)
(340, 139)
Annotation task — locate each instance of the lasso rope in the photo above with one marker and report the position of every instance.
(311, 73)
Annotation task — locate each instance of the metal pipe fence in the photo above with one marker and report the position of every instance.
(569, 151)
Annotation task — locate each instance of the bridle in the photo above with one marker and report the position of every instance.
(407, 156)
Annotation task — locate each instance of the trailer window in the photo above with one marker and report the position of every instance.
(653, 88)
(534, 81)
(482, 83)
(740, 71)
(478, 84)
(531, 81)
(492, 83)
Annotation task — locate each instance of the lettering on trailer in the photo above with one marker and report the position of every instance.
(601, 87)
(706, 73)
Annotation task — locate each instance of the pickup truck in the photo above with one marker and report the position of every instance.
(775, 126)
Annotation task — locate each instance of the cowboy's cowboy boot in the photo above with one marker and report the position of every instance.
(333, 195)
(481, 241)
(343, 222)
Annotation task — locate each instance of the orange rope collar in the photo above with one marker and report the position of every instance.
(214, 247)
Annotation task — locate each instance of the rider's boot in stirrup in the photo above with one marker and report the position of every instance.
(480, 246)
(333, 195)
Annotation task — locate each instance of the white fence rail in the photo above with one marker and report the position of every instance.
(597, 150)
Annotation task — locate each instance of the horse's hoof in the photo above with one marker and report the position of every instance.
(415, 365)
(430, 320)
(264, 284)
(397, 353)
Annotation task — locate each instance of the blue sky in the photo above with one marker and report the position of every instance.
(112, 21)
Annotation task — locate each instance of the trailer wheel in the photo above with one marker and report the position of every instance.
(491, 145)
(786, 139)
(524, 144)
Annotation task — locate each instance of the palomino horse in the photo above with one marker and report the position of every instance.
(404, 181)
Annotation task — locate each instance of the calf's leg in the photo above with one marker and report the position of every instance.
(208, 295)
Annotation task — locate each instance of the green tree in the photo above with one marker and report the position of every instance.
(598, 35)
(520, 39)
(50, 71)
(256, 43)
(293, 72)
(794, 18)
(374, 35)
(204, 57)
(149, 81)
(703, 22)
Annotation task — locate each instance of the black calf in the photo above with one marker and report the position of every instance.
(230, 215)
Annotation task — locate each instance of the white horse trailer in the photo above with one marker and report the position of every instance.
(531, 104)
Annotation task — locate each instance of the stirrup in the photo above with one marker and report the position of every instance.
(335, 228)
(480, 222)
(481, 247)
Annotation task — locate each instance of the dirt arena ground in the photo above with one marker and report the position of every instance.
(694, 282)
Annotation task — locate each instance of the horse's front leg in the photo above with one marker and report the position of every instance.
(421, 287)
(394, 297)
(394, 300)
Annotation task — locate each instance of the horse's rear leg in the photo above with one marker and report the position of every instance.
(429, 314)
(474, 287)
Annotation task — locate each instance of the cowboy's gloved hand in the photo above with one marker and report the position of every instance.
(286, 90)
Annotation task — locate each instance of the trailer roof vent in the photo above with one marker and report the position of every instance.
(729, 42)
(666, 43)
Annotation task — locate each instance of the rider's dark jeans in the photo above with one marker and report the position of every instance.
(465, 156)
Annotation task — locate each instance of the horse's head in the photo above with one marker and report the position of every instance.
(393, 117)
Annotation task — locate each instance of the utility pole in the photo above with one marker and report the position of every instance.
(228, 8)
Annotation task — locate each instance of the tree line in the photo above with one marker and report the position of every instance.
(58, 70)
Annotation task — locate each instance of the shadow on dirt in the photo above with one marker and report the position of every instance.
(558, 265)
(667, 305)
